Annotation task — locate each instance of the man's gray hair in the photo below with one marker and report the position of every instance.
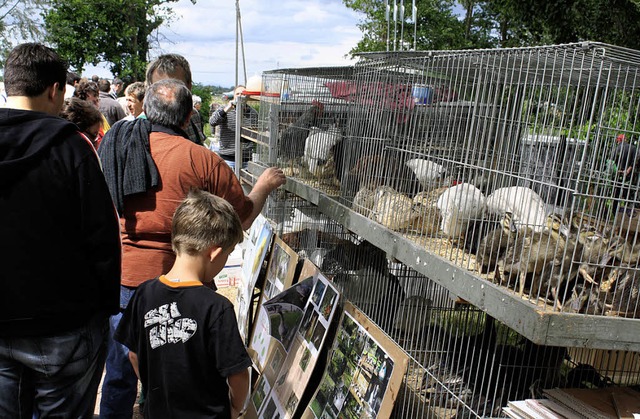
(169, 65)
(168, 102)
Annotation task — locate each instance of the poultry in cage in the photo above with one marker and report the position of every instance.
(392, 209)
(374, 170)
(527, 208)
(494, 244)
(429, 218)
(530, 252)
(292, 138)
(430, 174)
(461, 358)
(484, 374)
(607, 272)
(319, 155)
(616, 292)
(363, 201)
(561, 269)
(459, 205)
(480, 228)
(361, 271)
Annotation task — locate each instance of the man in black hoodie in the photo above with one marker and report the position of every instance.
(60, 248)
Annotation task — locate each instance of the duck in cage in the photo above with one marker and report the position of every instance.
(494, 159)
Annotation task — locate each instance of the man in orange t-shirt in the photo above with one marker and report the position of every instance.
(148, 193)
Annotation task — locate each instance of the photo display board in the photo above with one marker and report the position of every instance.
(276, 324)
(258, 246)
(363, 373)
(279, 396)
(280, 271)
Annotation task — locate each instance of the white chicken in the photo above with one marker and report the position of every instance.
(527, 209)
(430, 174)
(318, 145)
(458, 205)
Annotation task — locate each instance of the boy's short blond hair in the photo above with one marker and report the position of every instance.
(203, 220)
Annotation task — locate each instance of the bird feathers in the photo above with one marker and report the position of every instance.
(526, 206)
(428, 173)
(318, 146)
(458, 205)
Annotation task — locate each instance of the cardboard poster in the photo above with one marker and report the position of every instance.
(277, 322)
(363, 373)
(293, 374)
(281, 269)
(258, 246)
(280, 275)
(311, 337)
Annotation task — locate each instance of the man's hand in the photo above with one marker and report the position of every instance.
(271, 179)
(230, 105)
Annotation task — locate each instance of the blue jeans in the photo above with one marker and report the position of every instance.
(120, 385)
(53, 376)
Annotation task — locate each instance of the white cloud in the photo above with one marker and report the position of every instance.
(277, 34)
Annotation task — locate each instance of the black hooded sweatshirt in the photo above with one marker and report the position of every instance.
(59, 240)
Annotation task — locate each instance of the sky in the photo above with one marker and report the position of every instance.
(277, 34)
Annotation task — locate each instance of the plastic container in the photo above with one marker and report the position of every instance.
(423, 95)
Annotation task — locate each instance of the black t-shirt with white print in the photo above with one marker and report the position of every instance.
(187, 341)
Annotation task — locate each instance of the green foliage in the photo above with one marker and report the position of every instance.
(205, 93)
(118, 32)
(535, 22)
(209, 95)
(438, 27)
(501, 23)
(19, 22)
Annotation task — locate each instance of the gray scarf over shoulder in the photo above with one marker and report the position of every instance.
(126, 160)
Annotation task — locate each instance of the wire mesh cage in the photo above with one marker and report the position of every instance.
(305, 123)
(463, 362)
(519, 164)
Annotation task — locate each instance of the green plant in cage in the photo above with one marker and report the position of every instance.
(622, 114)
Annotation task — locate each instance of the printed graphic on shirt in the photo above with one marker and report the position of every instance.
(167, 326)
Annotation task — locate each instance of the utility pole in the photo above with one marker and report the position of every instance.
(414, 13)
(386, 17)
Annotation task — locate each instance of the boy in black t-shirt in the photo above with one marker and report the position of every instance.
(183, 337)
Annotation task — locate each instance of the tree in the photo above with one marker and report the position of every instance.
(536, 22)
(438, 27)
(114, 31)
(19, 22)
(505, 23)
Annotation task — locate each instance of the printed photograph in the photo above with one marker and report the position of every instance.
(330, 298)
(312, 325)
(323, 396)
(292, 403)
(306, 321)
(304, 361)
(317, 293)
(318, 335)
(356, 377)
(261, 391)
(271, 411)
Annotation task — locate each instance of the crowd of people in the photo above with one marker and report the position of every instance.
(115, 224)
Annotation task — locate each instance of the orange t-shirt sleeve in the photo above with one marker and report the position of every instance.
(224, 183)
